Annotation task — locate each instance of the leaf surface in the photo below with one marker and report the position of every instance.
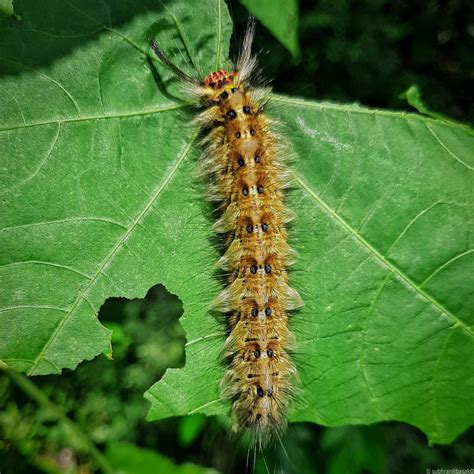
(94, 155)
(99, 200)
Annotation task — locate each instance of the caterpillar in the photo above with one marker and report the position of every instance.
(244, 159)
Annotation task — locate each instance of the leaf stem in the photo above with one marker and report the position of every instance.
(42, 400)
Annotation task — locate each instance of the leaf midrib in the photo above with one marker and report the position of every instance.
(101, 117)
(274, 97)
(367, 111)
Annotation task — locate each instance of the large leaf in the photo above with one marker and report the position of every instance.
(99, 200)
(384, 210)
(94, 158)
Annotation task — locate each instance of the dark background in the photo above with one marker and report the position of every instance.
(372, 51)
(367, 52)
(104, 400)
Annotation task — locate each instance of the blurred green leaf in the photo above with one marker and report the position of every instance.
(413, 97)
(118, 335)
(6, 7)
(354, 450)
(98, 201)
(126, 458)
(189, 428)
(281, 19)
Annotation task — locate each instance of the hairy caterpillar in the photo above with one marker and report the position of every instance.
(243, 158)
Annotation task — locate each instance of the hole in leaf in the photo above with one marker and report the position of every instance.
(146, 331)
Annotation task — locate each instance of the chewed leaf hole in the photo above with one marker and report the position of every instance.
(146, 331)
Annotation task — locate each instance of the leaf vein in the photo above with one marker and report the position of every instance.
(219, 34)
(444, 265)
(412, 221)
(64, 221)
(364, 111)
(40, 262)
(49, 78)
(140, 113)
(119, 243)
(32, 306)
(447, 149)
(363, 345)
(42, 163)
(407, 281)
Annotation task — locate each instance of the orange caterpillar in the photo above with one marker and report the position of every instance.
(243, 157)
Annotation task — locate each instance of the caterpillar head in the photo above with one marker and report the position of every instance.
(218, 83)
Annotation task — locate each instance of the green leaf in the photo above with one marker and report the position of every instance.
(6, 7)
(384, 210)
(189, 428)
(93, 159)
(413, 97)
(353, 449)
(281, 19)
(99, 200)
(94, 155)
(127, 458)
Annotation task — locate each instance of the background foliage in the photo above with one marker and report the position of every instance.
(372, 52)
(109, 408)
